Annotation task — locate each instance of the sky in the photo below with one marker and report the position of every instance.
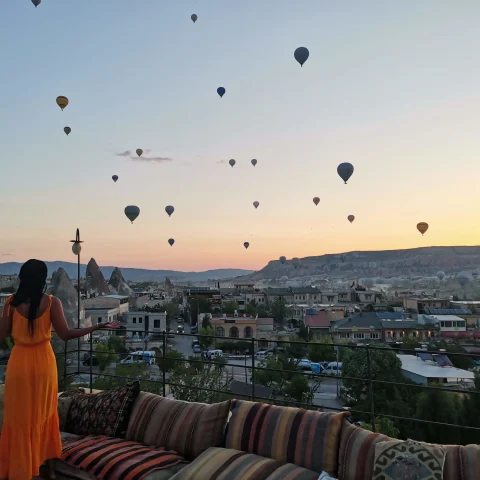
(391, 87)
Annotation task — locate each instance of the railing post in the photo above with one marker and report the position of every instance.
(91, 362)
(370, 388)
(253, 369)
(164, 387)
(64, 386)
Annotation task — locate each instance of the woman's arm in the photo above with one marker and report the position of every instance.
(61, 327)
(5, 322)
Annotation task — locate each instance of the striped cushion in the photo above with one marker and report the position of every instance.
(226, 464)
(357, 455)
(306, 438)
(357, 452)
(188, 428)
(107, 458)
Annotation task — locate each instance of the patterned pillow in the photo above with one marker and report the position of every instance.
(106, 413)
(188, 428)
(305, 438)
(71, 392)
(106, 458)
(409, 460)
(225, 464)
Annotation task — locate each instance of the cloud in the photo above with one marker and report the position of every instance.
(151, 159)
(126, 153)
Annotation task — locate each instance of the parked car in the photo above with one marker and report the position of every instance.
(305, 364)
(170, 333)
(333, 368)
(212, 354)
(194, 329)
(194, 343)
(197, 349)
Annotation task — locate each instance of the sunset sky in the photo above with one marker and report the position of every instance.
(392, 87)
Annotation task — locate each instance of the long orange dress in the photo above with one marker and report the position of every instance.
(30, 433)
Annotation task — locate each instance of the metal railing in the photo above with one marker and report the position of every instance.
(252, 365)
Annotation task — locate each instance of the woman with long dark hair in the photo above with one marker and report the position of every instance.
(30, 434)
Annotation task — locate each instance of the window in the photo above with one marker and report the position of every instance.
(140, 320)
(448, 324)
(156, 324)
(358, 335)
(368, 297)
(389, 334)
(220, 332)
(374, 335)
(414, 334)
(234, 332)
(248, 332)
(99, 320)
(344, 334)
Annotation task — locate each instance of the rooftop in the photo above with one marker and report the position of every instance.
(361, 320)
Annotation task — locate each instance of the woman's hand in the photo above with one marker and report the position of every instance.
(109, 325)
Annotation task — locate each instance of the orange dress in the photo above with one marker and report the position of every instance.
(30, 433)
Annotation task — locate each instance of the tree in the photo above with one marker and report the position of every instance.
(303, 332)
(173, 361)
(117, 344)
(206, 323)
(322, 351)
(199, 382)
(251, 308)
(383, 425)
(298, 388)
(263, 312)
(297, 350)
(197, 305)
(207, 340)
(280, 311)
(230, 307)
(105, 356)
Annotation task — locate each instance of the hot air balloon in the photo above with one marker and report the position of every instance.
(115, 178)
(254, 162)
(316, 200)
(62, 102)
(462, 279)
(422, 227)
(194, 18)
(171, 241)
(283, 260)
(246, 244)
(256, 204)
(345, 171)
(301, 55)
(232, 162)
(351, 218)
(169, 209)
(67, 130)
(440, 275)
(474, 275)
(221, 91)
(139, 152)
(36, 2)
(132, 212)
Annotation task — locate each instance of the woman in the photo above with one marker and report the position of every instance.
(30, 434)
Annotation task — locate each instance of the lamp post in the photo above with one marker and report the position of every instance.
(76, 249)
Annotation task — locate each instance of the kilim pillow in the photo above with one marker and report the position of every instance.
(408, 460)
(188, 428)
(305, 438)
(106, 413)
(107, 458)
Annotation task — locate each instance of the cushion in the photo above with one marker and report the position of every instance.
(357, 452)
(357, 455)
(305, 438)
(188, 428)
(63, 408)
(105, 413)
(228, 464)
(106, 458)
(408, 460)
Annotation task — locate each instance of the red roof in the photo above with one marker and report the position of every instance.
(321, 319)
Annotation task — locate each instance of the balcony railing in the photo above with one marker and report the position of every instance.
(371, 380)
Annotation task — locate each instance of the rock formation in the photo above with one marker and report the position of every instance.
(95, 280)
(62, 287)
(118, 285)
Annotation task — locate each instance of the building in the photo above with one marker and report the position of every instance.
(419, 304)
(447, 324)
(319, 323)
(106, 308)
(395, 330)
(363, 326)
(425, 368)
(143, 323)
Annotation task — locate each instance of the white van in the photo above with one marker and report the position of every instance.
(333, 368)
(214, 354)
(147, 357)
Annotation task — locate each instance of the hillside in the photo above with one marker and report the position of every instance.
(385, 263)
(134, 274)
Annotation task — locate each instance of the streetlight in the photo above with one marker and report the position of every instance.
(76, 249)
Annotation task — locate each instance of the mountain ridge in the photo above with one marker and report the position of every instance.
(133, 274)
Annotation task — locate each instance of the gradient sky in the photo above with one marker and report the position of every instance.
(392, 87)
